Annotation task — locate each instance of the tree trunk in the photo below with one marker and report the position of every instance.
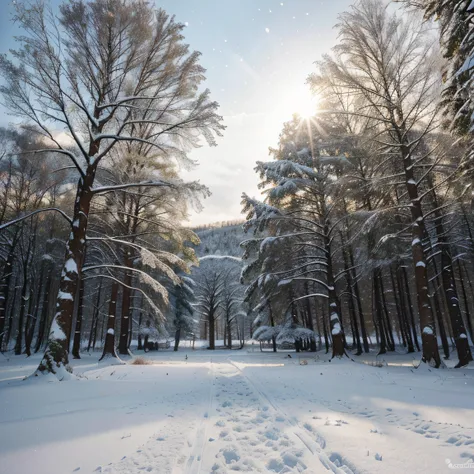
(21, 318)
(442, 329)
(109, 346)
(76, 347)
(363, 330)
(449, 287)
(454, 308)
(388, 324)
(30, 325)
(309, 319)
(5, 288)
(466, 275)
(212, 329)
(398, 307)
(272, 323)
(334, 313)
(177, 337)
(44, 309)
(378, 311)
(56, 359)
(95, 318)
(229, 335)
(125, 315)
(325, 332)
(427, 323)
(410, 307)
(352, 313)
(140, 345)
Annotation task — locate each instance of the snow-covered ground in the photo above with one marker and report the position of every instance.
(232, 411)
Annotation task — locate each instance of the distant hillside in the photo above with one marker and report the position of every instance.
(221, 240)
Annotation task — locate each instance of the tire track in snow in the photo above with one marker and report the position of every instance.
(314, 446)
(194, 458)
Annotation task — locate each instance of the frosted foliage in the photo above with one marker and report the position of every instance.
(266, 333)
(154, 285)
(156, 262)
(275, 170)
(292, 334)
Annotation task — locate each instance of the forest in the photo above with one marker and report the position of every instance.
(361, 240)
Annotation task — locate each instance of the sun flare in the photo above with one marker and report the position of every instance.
(302, 102)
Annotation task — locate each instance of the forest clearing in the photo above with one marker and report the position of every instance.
(237, 411)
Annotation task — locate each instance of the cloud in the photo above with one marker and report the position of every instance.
(228, 169)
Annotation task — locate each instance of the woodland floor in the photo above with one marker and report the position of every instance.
(237, 411)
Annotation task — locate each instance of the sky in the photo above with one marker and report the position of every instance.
(258, 54)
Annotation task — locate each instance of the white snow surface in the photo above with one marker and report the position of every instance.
(236, 411)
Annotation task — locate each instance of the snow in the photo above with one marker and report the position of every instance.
(65, 296)
(336, 329)
(70, 266)
(428, 330)
(237, 411)
(420, 264)
(56, 331)
(221, 257)
(110, 331)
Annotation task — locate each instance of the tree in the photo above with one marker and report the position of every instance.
(101, 70)
(455, 20)
(182, 297)
(390, 66)
(212, 278)
(301, 215)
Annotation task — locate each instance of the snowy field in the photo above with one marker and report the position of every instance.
(236, 411)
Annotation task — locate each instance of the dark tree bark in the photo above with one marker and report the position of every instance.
(410, 306)
(401, 322)
(5, 286)
(23, 311)
(363, 330)
(352, 313)
(471, 289)
(11, 308)
(140, 346)
(44, 308)
(388, 324)
(177, 338)
(56, 354)
(126, 298)
(30, 324)
(109, 345)
(212, 329)
(449, 287)
(272, 324)
(76, 347)
(377, 303)
(95, 319)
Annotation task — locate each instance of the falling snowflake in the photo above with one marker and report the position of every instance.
(267, 30)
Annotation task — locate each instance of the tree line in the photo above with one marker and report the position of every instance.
(366, 225)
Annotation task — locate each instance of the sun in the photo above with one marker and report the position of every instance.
(299, 101)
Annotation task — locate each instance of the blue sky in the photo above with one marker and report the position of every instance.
(258, 54)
